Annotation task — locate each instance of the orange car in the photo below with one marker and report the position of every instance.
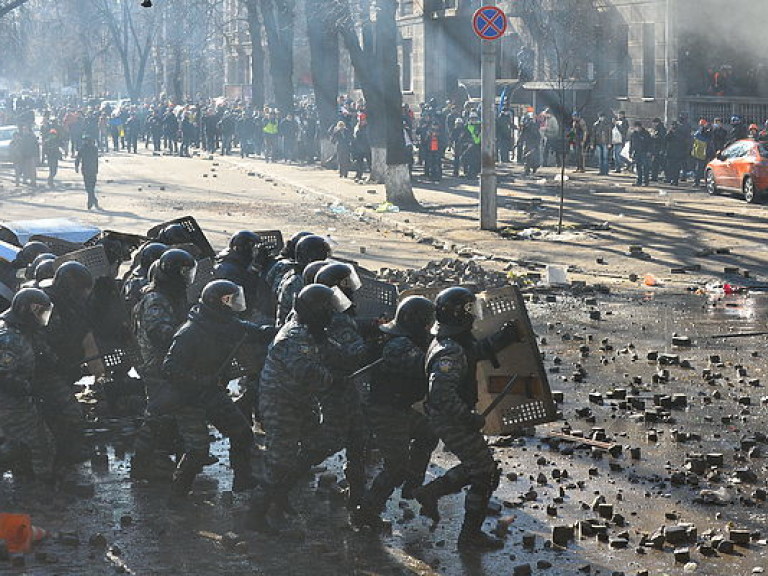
(741, 167)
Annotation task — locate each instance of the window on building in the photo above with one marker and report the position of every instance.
(406, 7)
(406, 65)
(649, 60)
(622, 61)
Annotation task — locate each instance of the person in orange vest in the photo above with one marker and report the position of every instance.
(433, 154)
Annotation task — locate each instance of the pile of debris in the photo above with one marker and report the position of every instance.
(448, 271)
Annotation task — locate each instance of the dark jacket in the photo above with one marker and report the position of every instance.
(87, 159)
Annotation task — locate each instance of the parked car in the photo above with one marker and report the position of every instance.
(740, 167)
(6, 135)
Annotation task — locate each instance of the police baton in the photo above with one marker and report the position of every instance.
(504, 393)
(365, 369)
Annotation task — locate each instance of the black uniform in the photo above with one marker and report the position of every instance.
(195, 366)
(403, 435)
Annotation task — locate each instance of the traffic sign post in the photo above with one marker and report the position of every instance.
(489, 23)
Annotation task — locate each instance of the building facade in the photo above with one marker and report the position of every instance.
(651, 58)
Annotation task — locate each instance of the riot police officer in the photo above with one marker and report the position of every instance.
(237, 264)
(343, 424)
(451, 366)
(22, 351)
(294, 374)
(403, 435)
(160, 312)
(275, 273)
(138, 277)
(70, 291)
(196, 365)
(309, 249)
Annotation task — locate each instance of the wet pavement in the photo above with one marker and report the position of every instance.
(609, 386)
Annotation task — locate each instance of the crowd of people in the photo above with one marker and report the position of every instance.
(322, 378)
(438, 138)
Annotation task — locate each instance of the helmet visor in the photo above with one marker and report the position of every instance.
(352, 282)
(189, 273)
(42, 313)
(475, 309)
(236, 301)
(341, 303)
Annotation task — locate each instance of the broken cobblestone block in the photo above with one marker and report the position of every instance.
(522, 570)
(739, 537)
(676, 534)
(69, 538)
(561, 535)
(98, 540)
(725, 547)
(529, 541)
(618, 543)
(682, 555)
(681, 341)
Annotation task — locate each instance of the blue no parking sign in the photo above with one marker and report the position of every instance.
(489, 23)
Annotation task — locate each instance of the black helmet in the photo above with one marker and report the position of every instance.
(29, 252)
(311, 249)
(151, 252)
(175, 266)
(29, 273)
(455, 311)
(414, 317)
(32, 305)
(339, 274)
(174, 234)
(223, 295)
(289, 250)
(73, 280)
(243, 243)
(44, 270)
(315, 306)
(311, 270)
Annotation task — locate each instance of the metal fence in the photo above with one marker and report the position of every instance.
(751, 109)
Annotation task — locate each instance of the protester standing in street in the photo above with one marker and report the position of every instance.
(87, 161)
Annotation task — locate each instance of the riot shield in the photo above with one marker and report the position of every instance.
(272, 239)
(202, 277)
(529, 401)
(196, 234)
(375, 299)
(93, 258)
(57, 246)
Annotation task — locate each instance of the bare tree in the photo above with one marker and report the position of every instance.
(562, 31)
(132, 30)
(374, 57)
(277, 17)
(7, 6)
(325, 62)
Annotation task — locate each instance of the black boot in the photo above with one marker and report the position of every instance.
(472, 538)
(429, 494)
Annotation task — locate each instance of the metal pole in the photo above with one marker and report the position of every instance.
(488, 137)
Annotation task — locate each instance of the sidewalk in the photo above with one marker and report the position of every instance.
(676, 230)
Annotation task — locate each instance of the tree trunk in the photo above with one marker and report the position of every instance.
(324, 55)
(178, 90)
(399, 189)
(280, 46)
(257, 54)
(88, 74)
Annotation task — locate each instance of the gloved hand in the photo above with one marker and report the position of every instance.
(261, 332)
(477, 421)
(506, 335)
